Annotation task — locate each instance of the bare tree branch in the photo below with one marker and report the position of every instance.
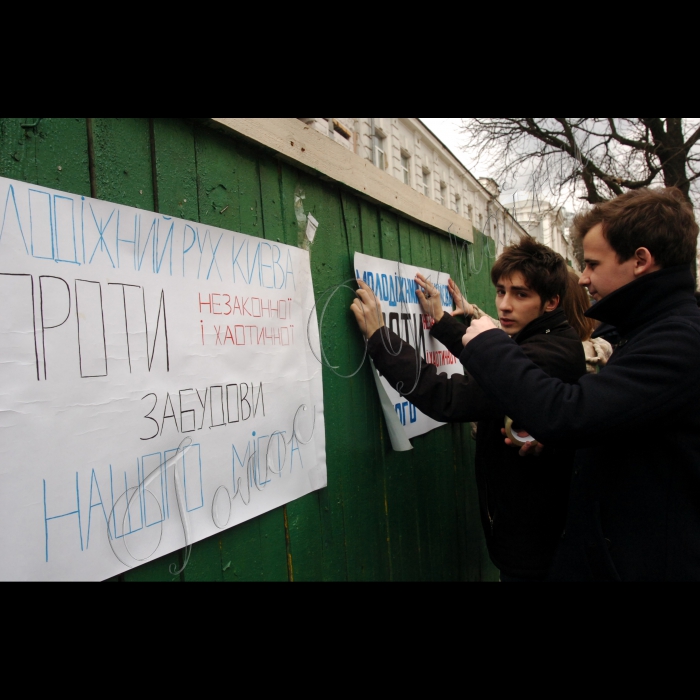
(632, 143)
(692, 140)
(591, 158)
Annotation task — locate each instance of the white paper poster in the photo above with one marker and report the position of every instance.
(157, 383)
(394, 285)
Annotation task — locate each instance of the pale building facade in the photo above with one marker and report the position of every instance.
(548, 224)
(406, 149)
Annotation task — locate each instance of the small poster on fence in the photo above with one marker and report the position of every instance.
(394, 284)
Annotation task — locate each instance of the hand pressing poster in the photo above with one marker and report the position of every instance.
(394, 285)
(157, 383)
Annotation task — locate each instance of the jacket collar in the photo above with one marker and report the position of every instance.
(645, 299)
(549, 322)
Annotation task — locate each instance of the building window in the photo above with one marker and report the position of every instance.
(426, 184)
(341, 129)
(443, 194)
(457, 203)
(405, 163)
(379, 155)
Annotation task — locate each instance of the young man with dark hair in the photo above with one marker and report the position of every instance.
(634, 510)
(523, 505)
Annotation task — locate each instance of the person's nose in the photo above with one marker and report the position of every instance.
(505, 303)
(585, 279)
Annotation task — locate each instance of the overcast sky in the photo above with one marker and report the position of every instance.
(446, 129)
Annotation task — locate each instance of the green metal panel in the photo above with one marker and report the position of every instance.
(384, 515)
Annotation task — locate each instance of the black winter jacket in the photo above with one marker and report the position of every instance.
(522, 501)
(634, 511)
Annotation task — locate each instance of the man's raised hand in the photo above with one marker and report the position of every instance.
(462, 306)
(478, 327)
(429, 298)
(367, 310)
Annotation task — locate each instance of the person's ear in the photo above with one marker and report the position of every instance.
(552, 304)
(644, 262)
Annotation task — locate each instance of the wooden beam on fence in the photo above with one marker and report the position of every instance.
(294, 141)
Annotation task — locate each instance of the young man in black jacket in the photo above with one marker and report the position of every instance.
(634, 511)
(523, 505)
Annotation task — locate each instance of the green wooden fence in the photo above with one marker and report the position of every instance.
(385, 516)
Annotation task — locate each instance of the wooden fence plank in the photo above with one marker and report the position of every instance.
(367, 535)
(176, 184)
(442, 258)
(394, 505)
(415, 533)
(218, 204)
(16, 159)
(52, 154)
(400, 466)
(258, 547)
(345, 442)
(429, 505)
(274, 229)
(439, 465)
(124, 175)
(316, 521)
(301, 518)
(123, 168)
(176, 168)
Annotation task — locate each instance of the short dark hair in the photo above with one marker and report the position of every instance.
(545, 271)
(661, 220)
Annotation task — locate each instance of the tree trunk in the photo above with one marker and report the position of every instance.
(672, 154)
